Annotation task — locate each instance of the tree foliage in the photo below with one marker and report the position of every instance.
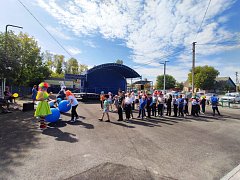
(170, 82)
(119, 61)
(204, 77)
(21, 59)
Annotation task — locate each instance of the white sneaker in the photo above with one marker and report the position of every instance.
(72, 120)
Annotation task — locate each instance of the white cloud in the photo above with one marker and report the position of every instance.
(74, 50)
(151, 29)
(57, 32)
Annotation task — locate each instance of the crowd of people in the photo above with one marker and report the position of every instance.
(153, 104)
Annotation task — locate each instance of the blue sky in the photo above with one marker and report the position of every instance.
(140, 33)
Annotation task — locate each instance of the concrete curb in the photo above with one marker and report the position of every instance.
(234, 174)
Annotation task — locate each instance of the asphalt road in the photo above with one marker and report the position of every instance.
(160, 148)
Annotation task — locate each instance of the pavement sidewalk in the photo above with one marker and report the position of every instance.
(233, 175)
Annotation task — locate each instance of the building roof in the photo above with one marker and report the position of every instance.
(223, 78)
(142, 82)
(125, 71)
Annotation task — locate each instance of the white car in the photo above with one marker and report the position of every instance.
(231, 97)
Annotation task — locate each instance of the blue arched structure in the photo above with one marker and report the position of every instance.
(108, 77)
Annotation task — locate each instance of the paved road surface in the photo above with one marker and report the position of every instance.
(160, 148)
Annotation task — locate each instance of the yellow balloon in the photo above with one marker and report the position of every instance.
(15, 95)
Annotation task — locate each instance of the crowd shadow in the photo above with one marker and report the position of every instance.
(19, 133)
(122, 124)
(60, 135)
(81, 123)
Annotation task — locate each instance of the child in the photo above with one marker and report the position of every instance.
(43, 108)
(105, 108)
(142, 106)
(72, 101)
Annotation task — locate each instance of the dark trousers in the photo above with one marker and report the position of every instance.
(180, 111)
(154, 109)
(101, 104)
(194, 111)
(74, 112)
(160, 109)
(128, 110)
(133, 105)
(215, 109)
(169, 110)
(203, 108)
(149, 111)
(120, 113)
(141, 113)
(175, 109)
(186, 109)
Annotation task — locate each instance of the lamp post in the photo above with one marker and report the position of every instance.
(6, 55)
(164, 78)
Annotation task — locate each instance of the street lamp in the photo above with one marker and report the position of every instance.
(6, 55)
(164, 79)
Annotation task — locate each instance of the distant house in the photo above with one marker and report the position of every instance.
(224, 84)
(221, 84)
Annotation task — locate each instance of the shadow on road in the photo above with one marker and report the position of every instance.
(59, 135)
(18, 134)
(81, 123)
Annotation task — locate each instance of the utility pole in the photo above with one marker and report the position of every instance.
(237, 81)
(164, 78)
(193, 65)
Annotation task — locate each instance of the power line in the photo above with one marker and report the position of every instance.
(202, 20)
(162, 57)
(45, 28)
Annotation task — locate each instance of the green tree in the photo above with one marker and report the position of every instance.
(58, 60)
(22, 60)
(48, 58)
(72, 66)
(204, 77)
(82, 68)
(119, 61)
(179, 85)
(170, 82)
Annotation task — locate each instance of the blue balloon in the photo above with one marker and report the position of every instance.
(54, 116)
(51, 104)
(63, 106)
(59, 100)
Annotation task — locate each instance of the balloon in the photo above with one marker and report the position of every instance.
(63, 106)
(54, 116)
(59, 100)
(15, 95)
(51, 104)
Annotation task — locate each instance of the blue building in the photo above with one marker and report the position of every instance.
(108, 77)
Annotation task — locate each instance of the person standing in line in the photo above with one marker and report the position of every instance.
(105, 108)
(186, 112)
(72, 101)
(137, 99)
(154, 104)
(127, 106)
(180, 101)
(102, 98)
(203, 104)
(160, 104)
(120, 105)
(110, 100)
(214, 102)
(149, 105)
(142, 106)
(175, 105)
(115, 102)
(194, 110)
(169, 105)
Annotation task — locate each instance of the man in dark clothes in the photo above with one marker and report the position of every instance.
(149, 105)
(169, 102)
(203, 104)
(120, 105)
